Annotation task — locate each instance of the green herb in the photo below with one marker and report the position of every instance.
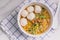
(42, 16)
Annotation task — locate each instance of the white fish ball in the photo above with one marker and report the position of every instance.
(30, 9)
(31, 16)
(23, 21)
(24, 13)
(37, 9)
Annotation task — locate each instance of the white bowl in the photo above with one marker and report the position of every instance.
(45, 6)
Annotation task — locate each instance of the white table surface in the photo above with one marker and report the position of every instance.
(7, 6)
(4, 13)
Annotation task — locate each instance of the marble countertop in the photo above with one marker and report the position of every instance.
(13, 3)
(7, 6)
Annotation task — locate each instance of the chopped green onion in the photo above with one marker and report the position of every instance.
(42, 16)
